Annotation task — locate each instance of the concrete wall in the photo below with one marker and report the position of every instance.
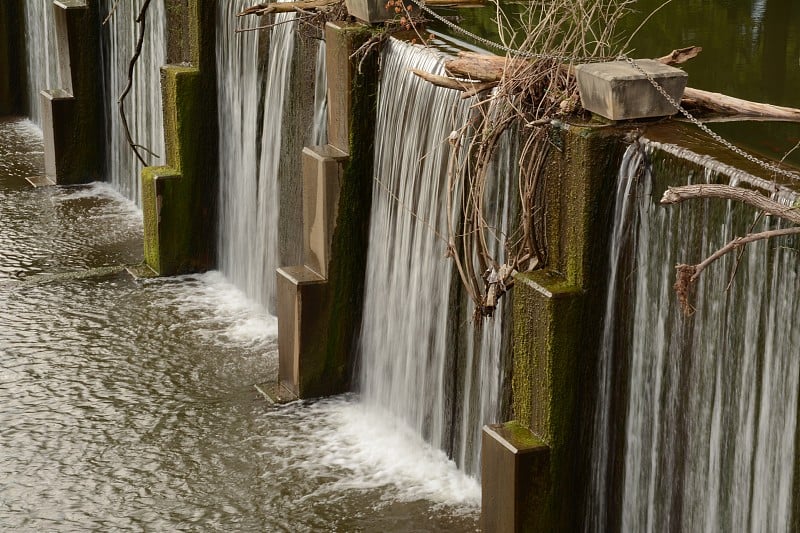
(12, 64)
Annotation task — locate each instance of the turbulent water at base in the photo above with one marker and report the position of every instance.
(709, 402)
(131, 405)
(249, 149)
(409, 360)
(143, 103)
(41, 54)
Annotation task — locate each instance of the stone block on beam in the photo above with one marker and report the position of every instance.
(619, 91)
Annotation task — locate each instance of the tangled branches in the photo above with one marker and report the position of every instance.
(530, 95)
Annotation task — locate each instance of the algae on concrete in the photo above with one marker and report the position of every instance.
(180, 201)
(558, 312)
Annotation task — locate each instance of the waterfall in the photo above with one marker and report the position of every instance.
(319, 131)
(250, 142)
(709, 401)
(143, 103)
(409, 357)
(42, 68)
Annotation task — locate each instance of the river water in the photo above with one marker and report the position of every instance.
(131, 405)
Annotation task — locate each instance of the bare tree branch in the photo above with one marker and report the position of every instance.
(142, 22)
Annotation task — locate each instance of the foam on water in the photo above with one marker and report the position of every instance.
(220, 310)
(370, 451)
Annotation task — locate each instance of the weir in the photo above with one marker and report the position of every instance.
(316, 181)
(410, 287)
(723, 381)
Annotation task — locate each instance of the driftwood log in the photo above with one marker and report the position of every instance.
(489, 69)
(676, 195)
(315, 5)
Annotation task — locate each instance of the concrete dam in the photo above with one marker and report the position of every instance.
(294, 271)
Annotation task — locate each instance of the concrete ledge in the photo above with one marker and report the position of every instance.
(515, 468)
(301, 295)
(40, 181)
(618, 91)
(323, 168)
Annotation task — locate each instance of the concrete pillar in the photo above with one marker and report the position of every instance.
(72, 115)
(557, 313)
(12, 65)
(303, 291)
(320, 301)
(180, 199)
(516, 469)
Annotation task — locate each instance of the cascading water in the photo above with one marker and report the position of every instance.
(409, 358)
(319, 131)
(249, 150)
(42, 68)
(710, 406)
(143, 103)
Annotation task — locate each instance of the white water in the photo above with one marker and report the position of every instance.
(42, 69)
(249, 206)
(408, 343)
(143, 103)
(319, 131)
(711, 412)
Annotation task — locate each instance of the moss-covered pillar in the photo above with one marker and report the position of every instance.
(557, 317)
(72, 114)
(179, 200)
(12, 46)
(320, 301)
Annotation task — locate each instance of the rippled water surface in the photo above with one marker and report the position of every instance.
(131, 405)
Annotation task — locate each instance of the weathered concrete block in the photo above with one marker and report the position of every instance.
(618, 91)
(515, 472)
(72, 114)
(163, 205)
(342, 39)
(301, 297)
(369, 11)
(323, 168)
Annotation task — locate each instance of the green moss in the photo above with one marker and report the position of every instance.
(520, 436)
(181, 236)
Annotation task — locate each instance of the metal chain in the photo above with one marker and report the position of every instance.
(694, 120)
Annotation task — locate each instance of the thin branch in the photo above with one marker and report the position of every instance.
(687, 275)
(142, 22)
(674, 195)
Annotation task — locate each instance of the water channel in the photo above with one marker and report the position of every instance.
(131, 405)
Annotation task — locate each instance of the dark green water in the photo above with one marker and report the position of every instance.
(131, 405)
(751, 50)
